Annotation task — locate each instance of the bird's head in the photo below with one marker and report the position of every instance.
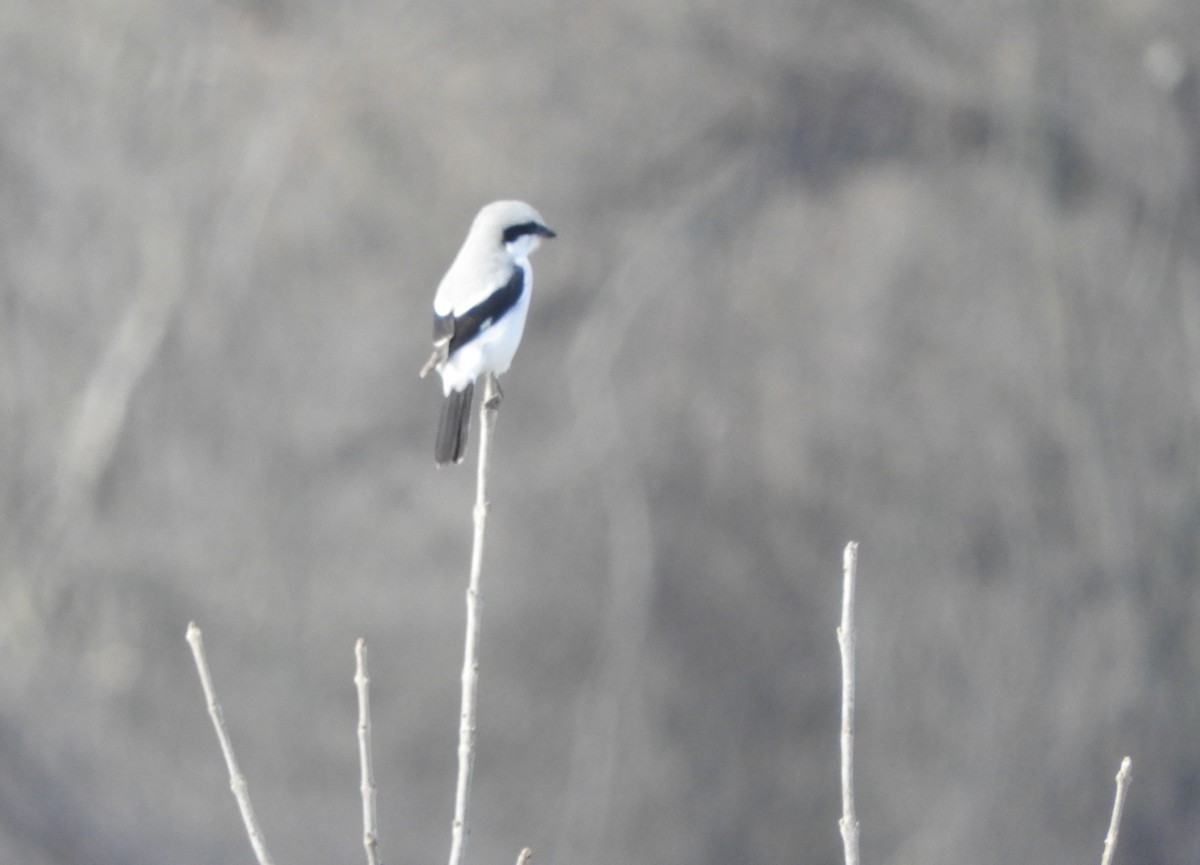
(514, 225)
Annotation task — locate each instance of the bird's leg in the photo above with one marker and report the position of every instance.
(492, 394)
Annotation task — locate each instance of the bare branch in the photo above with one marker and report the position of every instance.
(1110, 842)
(846, 637)
(470, 672)
(237, 782)
(362, 683)
(525, 857)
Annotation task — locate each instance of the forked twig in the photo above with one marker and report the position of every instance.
(237, 782)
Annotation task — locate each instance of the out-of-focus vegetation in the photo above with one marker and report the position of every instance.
(924, 275)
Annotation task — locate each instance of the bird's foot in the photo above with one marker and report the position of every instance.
(492, 394)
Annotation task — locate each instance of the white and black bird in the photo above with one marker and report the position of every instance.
(479, 312)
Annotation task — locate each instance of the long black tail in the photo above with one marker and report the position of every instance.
(452, 432)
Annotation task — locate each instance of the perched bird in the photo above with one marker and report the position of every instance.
(479, 312)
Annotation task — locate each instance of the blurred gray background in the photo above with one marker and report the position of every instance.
(921, 274)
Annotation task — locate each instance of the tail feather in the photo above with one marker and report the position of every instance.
(453, 427)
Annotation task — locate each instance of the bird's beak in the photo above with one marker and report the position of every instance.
(546, 232)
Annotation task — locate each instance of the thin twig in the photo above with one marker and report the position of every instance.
(1110, 842)
(363, 682)
(237, 782)
(525, 857)
(845, 635)
(470, 672)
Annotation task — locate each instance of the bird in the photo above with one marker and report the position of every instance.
(479, 313)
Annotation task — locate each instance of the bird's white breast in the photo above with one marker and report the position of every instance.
(493, 349)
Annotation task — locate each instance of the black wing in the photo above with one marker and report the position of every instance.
(461, 329)
(443, 332)
(443, 328)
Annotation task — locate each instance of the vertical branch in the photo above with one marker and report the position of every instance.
(1110, 842)
(470, 671)
(237, 781)
(846, 637)
(362, 683)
